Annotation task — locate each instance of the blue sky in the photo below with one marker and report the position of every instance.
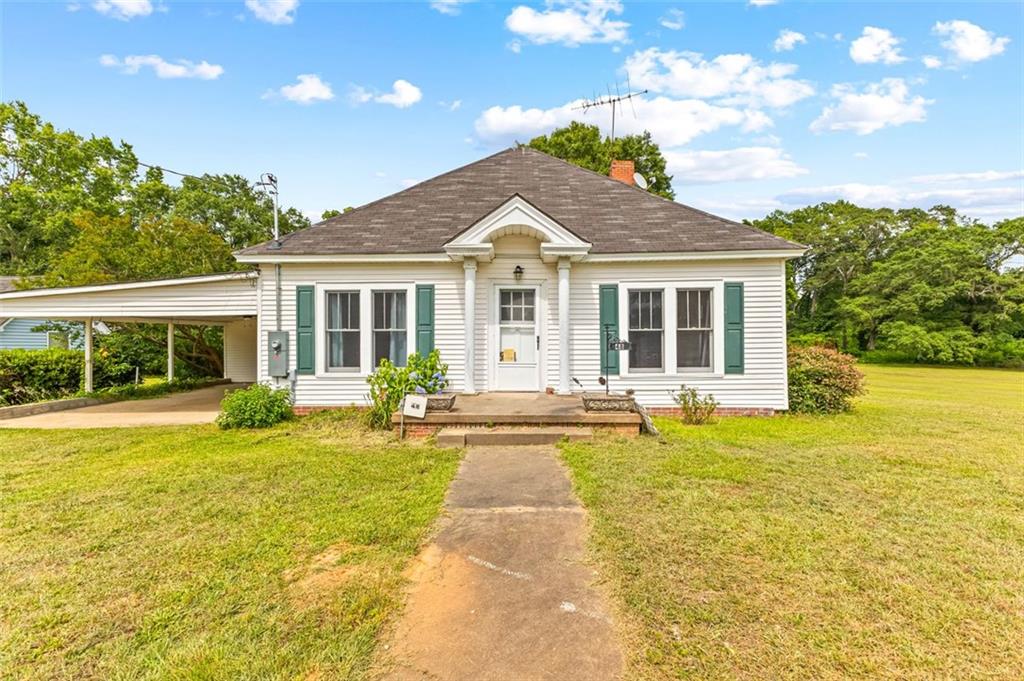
(757, 105)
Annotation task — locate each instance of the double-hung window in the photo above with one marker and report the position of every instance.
(389, 327)
(342, 326)
(693, 329)
(646, 330)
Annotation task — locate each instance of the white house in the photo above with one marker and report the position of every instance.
(520, 268)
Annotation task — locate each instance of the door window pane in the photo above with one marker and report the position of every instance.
(693, 328)
(646, 330)
(342, 330)
(389, 328)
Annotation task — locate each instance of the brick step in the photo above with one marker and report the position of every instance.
(462, 437)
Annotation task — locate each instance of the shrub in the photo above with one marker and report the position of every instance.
(35, 375)
(258, 406)
(390, 383)
(822, 380)
(696, 410)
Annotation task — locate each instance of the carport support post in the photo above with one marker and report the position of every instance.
(170, 352)
(88, 355)
(469, 281)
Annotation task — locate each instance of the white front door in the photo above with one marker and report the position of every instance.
(518, 338)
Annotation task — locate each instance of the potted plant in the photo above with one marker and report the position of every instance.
(429, 376)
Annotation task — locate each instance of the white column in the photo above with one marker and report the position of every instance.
(88, 355)
(170, 352)
(563, 326)
(469, 270)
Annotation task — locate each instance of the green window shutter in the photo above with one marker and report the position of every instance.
(424, 319)
(734, 328)
(305, 329)
(609, 315)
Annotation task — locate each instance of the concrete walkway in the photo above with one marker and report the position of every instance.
(503, 592)
(197, 406)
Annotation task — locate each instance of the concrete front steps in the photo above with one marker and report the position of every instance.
(463, 437)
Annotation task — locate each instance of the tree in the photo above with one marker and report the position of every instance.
(583, 145)
(334, 212)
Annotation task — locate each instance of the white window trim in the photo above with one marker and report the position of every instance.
(669, 357)
(690, 371)
(365, 290)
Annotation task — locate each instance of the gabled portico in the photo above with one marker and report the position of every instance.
(515, 302)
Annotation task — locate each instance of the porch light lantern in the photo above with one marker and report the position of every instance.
(518, 272)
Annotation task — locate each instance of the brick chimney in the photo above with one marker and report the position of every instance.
(623, 172)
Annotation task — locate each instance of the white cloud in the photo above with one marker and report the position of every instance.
(887, 103)
(273, 11)
(181, 68)
(876, 45)
(449, 7)
(762, 3)
(453, 105)
(736, 78)
(73, 6)
(671, 122)
(123, 9)
(969, 42)
(673, 20)
(403, 95)
(515, 46)
(982, 176)
(307, 89)
(731, 165)
(860, 154)
(1005, 201)
(577, 22)
(787, 40)
(931, 62)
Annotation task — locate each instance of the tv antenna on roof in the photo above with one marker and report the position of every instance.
(613, 101)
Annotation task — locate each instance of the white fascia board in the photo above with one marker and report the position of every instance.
(708, 255)
(98, 288)
(283, 259)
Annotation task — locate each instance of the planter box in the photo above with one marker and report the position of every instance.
(612, 402)
(441, 402)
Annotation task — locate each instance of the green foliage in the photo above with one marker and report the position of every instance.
(822, 380)
(583, 145)
(929, 286)
(696, 410)
(258, 406)
(390, 383)
(37, 375)
(130, 391)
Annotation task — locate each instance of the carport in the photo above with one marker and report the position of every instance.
(228, 300)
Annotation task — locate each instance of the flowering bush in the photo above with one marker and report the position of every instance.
(822, 380)
(390, 383)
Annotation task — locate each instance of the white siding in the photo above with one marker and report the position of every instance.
(240, 351)
(350, 388)
(18, 333)
(204, 300)
(763, 385)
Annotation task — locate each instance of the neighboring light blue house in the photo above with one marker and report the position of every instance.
(18, 333)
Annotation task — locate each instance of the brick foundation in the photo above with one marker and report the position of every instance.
(720, 411)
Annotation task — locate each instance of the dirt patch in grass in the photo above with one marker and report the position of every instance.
(190, 552)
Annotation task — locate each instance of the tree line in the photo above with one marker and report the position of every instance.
(907, 285)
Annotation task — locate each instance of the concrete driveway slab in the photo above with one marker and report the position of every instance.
(504, 591)
(196, 406)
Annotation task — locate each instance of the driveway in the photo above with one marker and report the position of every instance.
(504, 591)
(197, 406)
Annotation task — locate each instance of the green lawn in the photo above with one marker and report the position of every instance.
(195, 553)
(888, 542)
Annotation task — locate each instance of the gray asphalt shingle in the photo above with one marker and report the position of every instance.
(612, 216)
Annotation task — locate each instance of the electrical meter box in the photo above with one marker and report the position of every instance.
(277, 346)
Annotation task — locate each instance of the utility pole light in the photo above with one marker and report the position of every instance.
(268, 183)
